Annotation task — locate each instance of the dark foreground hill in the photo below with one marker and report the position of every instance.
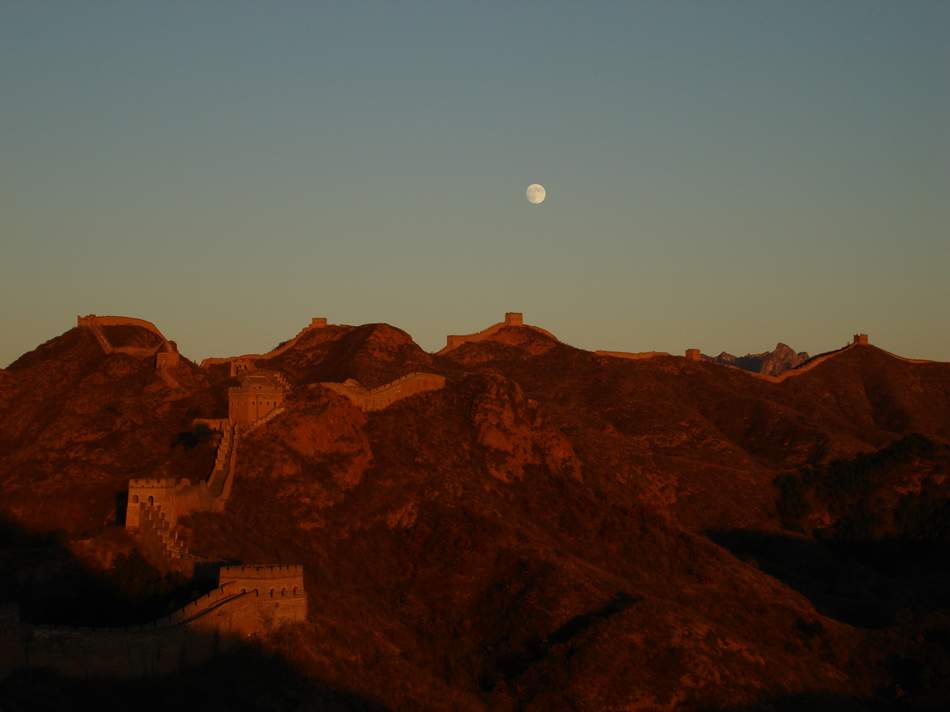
(554, 529)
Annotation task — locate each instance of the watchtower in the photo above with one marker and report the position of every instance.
(151, 493)
(514, 319)
(277, 590)
(318, 322)
(860, 339)
(168, 357)
(693, 355)
(240, 366)
(259, 393)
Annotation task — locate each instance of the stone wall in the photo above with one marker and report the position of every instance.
(186, 637)
(317, 322)
(225, 461)
(632, 355)
(163, 543)
(155, 505)
(159, 493)
(385, 395)
(267, 580)
(263, 421)
(95, 323)
(512, 319)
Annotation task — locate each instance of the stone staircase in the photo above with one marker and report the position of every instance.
(164, 544)
(262, 421)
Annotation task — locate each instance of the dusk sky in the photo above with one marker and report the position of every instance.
(722, 175)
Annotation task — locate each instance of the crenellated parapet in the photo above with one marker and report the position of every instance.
(512, 320)
(187, 636)
(164, 543)
(384, 396)
(259, 571)
(278, 588)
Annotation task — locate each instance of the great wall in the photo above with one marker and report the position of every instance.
(249, 600)
(516, 319)
(695, 355)
(239, 364)
(512, 319)
(384, 396)
(165, 352)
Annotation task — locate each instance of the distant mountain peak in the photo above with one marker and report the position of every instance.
(782, 358)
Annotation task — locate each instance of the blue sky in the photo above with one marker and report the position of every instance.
(721, 175)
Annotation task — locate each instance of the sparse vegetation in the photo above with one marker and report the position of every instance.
(843, 488)
(192, 438)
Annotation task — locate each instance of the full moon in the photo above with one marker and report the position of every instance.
(536, 193)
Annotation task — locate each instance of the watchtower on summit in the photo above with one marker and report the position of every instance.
(260, 393)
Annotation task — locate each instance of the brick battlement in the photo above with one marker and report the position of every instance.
(261, 571)
(230, 612)
(162, 483)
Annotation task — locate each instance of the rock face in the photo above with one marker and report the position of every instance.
(771, 363)
(547, 529)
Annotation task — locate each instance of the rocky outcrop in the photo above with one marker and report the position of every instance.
(514, 436)
(770, 363)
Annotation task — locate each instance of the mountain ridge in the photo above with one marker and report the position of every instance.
(500, 541)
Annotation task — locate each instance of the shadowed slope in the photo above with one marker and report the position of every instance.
(530, 534)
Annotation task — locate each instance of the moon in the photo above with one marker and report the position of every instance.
(536, 193)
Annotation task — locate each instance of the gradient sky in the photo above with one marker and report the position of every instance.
(720, 174)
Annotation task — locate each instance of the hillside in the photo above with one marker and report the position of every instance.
(553, 529)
